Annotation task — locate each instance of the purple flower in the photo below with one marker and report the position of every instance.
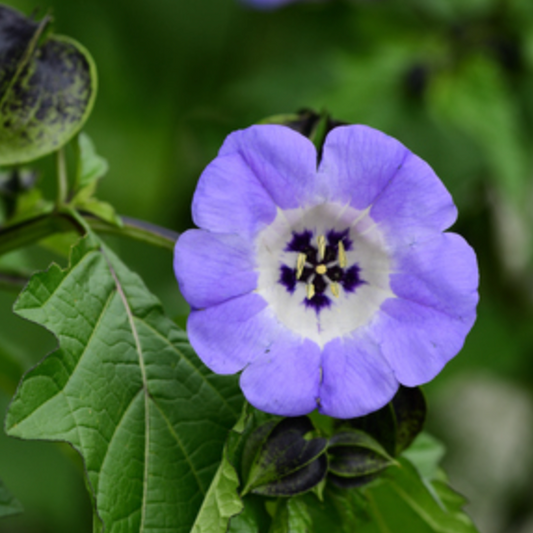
(268, 4)
(273, 4)
(328, 286)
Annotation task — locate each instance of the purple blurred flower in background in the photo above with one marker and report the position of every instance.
(327, 285)
(273, 4)
(268, 4)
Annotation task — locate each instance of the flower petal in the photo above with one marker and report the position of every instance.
(285, 379)
(282, 161)
(418, 341)
(414, 204)
(230, 199)
(228, 336)
(440, 273)
(356, 378)
(358, 163)
(213, 267)
(422, 329)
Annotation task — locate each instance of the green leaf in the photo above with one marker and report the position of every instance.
(381, 425)
(291, 516)
(425, 454)
(354, 453)
(253, 444)
(102, 210)
(126, 390)
(452, 500)
(395, 425)
(409, 406)
(341, 511)
(351, 508)
(313, 125)
(47, 89)
(221, 502)
(253, 519)
(286, 463)
(9, 505)
(29, 204)
(223, 510)
(91, 166)
(403, 494)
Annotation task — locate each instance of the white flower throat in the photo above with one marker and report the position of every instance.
(324, 270)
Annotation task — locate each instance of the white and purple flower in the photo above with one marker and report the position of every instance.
(327, 280)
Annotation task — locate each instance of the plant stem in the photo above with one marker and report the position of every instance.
(33, 230)
(62, 182)
(138, 230)
(67, 219)
(13, 281)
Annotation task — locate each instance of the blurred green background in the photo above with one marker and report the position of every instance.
(452, 79)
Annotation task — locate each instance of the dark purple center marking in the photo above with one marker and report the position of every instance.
(329, 271)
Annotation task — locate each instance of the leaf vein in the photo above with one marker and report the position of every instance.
(138, 346)
(184, 358)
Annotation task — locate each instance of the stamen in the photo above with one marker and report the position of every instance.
(335, 289)
(300, 264)
(310, 291)
(321, 242)
(321, 269)
(342, 255)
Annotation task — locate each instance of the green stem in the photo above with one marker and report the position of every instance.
(137, 230)
(75, 217)
(33, 230)
(68, 219)
(62, 181)
(12, 280)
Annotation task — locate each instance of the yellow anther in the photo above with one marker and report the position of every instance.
(335, 289)
(310, 291)
(321, 269)
(300, 264)
(321, 241)
(342, 255)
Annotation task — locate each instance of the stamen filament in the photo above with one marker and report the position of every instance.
(321, 242)
(300, 264)
(310, 291)
(335, 289)
(342, 255)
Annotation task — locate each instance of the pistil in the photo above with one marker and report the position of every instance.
(321, 263)
(321, 269)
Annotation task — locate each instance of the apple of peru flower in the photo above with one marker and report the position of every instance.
(327, 279)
